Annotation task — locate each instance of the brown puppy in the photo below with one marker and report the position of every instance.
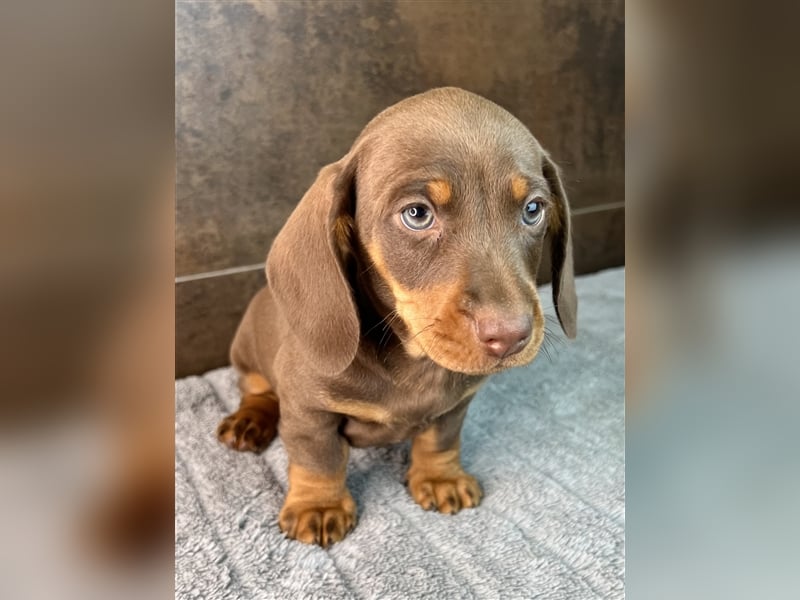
(403, 278)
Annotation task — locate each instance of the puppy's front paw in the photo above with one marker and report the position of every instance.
(447, 494)
(248, 429)
(322, 524)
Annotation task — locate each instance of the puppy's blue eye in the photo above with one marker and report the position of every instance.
(417, 217)
(533, 211)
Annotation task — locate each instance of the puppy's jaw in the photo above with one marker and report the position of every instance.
(439, 329)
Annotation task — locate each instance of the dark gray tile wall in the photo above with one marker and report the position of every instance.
(268, 92)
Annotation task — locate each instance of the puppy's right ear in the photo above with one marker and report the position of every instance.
(564, 298)
(306, 271)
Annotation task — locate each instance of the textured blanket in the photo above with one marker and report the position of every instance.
(546, 442)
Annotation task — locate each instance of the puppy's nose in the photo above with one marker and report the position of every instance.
(504, 337)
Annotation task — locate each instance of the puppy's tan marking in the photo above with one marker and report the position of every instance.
(398, 292)
(440, 191)
(519, 188)
(431, 317)
(253, 383)
(439, 330)
(342, 234)
(436, 479)
(318, 508)
(363, 411)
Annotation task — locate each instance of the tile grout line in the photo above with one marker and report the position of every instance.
(599, 208)
(220, 272)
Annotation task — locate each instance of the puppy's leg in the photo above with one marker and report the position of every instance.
(435, 477)
(318, 508)
(254, 425)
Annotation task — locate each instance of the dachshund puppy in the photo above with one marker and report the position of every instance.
(404, 277)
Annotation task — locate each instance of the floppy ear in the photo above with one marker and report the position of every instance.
(306, 272)
(564, 298)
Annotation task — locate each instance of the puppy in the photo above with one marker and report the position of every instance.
(404, 277)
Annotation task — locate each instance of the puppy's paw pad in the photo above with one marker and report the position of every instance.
(247, 430)
(446, 494)
(322, 525)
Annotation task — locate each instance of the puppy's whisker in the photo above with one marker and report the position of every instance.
(369, 267)
(552, 320)
(431, 351)
(423, 330)
(379, 323)
(551, 344)
(554, 336)
(387, 330)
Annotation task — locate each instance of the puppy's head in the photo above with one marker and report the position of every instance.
(446, 200)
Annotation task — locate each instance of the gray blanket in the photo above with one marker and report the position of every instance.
(546, 442)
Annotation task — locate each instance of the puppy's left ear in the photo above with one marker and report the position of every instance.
(564, 298)
(307, 272)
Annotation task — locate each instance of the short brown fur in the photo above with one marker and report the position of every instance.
(369, 330)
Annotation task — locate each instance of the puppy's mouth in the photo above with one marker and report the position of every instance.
(475, 343)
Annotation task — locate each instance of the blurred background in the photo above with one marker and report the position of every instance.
(712, 296)
(86, 299)
(267, 93)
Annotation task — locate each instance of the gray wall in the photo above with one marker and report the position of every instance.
(268, 92)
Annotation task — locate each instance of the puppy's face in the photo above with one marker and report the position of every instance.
(453, 202)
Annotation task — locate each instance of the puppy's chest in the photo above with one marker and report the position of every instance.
(384, 406)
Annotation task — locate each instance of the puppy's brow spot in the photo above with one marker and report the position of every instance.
(440, 191)
(519, 188)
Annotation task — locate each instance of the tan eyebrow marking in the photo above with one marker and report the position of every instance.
(439, 191)
(519, 188)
